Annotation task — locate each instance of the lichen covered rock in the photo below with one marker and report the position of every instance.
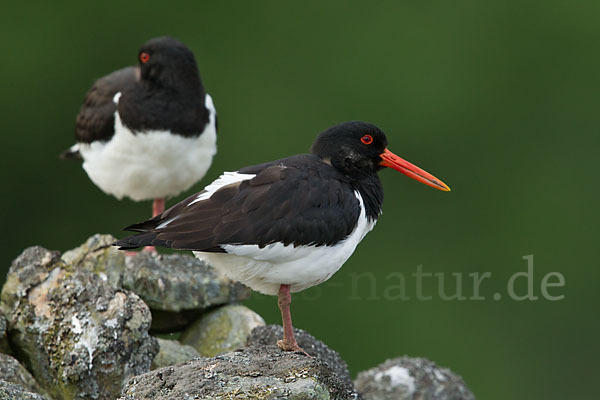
(270, 334)
(250, 373)
(80, 337)
(13, 372)
(98, 255)
(176, 282)
(4, 346)
(172, 352)
(222, 330)
(176, 287)
(13, 391)
(407, 378)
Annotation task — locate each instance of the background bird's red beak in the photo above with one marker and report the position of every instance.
(393, 161)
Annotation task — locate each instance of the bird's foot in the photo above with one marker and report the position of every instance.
(151, 249)
(292, 347)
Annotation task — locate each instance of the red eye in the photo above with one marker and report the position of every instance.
(367, 139)
(144, 57)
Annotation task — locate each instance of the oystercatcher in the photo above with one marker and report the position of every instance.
(149, 131)
(289, 224)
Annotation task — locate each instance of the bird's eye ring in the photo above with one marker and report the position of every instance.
(367, 139)
(144, 57)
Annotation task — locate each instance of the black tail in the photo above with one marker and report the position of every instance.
(140, 240)
(149, 230)
(147, 235)
(145, 226)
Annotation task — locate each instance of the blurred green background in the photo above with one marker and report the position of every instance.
(497, 98)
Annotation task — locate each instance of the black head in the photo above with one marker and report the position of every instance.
(168, 63)
(359, 149)
(354, 148)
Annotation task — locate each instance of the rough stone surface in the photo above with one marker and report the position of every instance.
(173, 352)
(80, 337)
(176, 287)
(251, 373)
(12, 391)
(406, 378)
(222, 330)
(13, 372)
(176, 282)
(98, 255)
(270, 334)
(4, 346)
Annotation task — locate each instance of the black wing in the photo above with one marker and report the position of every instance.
(299, 201)
(96, 119)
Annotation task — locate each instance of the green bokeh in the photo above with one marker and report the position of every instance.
(498, 98)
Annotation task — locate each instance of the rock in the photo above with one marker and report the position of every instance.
(13, 372)
(98, 255)
(31, 268)
(251, 373)
(4, 346)
(222, 330)
(173, 352)
(176, 287)
(270, 334)
(79, 336)
(12, 391)
(176, 282)
(406, 378)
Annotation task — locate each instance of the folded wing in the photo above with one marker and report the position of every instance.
(280, 203)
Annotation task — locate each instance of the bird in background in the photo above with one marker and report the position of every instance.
(148, 131)
(285, 225)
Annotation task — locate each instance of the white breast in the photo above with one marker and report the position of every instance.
(151, 164)
(264, 270)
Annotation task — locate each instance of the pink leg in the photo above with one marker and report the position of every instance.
(289, 341)
(158, 207)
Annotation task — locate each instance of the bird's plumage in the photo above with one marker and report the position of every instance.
(300, 200)
(148, 131)
(294, 221)
(96, 119)
(289, 223)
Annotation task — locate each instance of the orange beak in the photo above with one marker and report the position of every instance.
(393, 161)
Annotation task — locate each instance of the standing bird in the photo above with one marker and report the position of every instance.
(289, 224)
(149, 131)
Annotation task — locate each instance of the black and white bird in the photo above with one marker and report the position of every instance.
(148, 131)
(285, 225)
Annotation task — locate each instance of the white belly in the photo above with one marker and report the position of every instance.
(266, 269)
(149, 165)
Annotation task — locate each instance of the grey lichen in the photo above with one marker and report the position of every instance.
(4, 345)
(176, 287)
(13, 391)
(176, 282)
(407, 378)
(250, 373)
(270, 334)
(12, 371)
(98, 255)
(79, 336)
